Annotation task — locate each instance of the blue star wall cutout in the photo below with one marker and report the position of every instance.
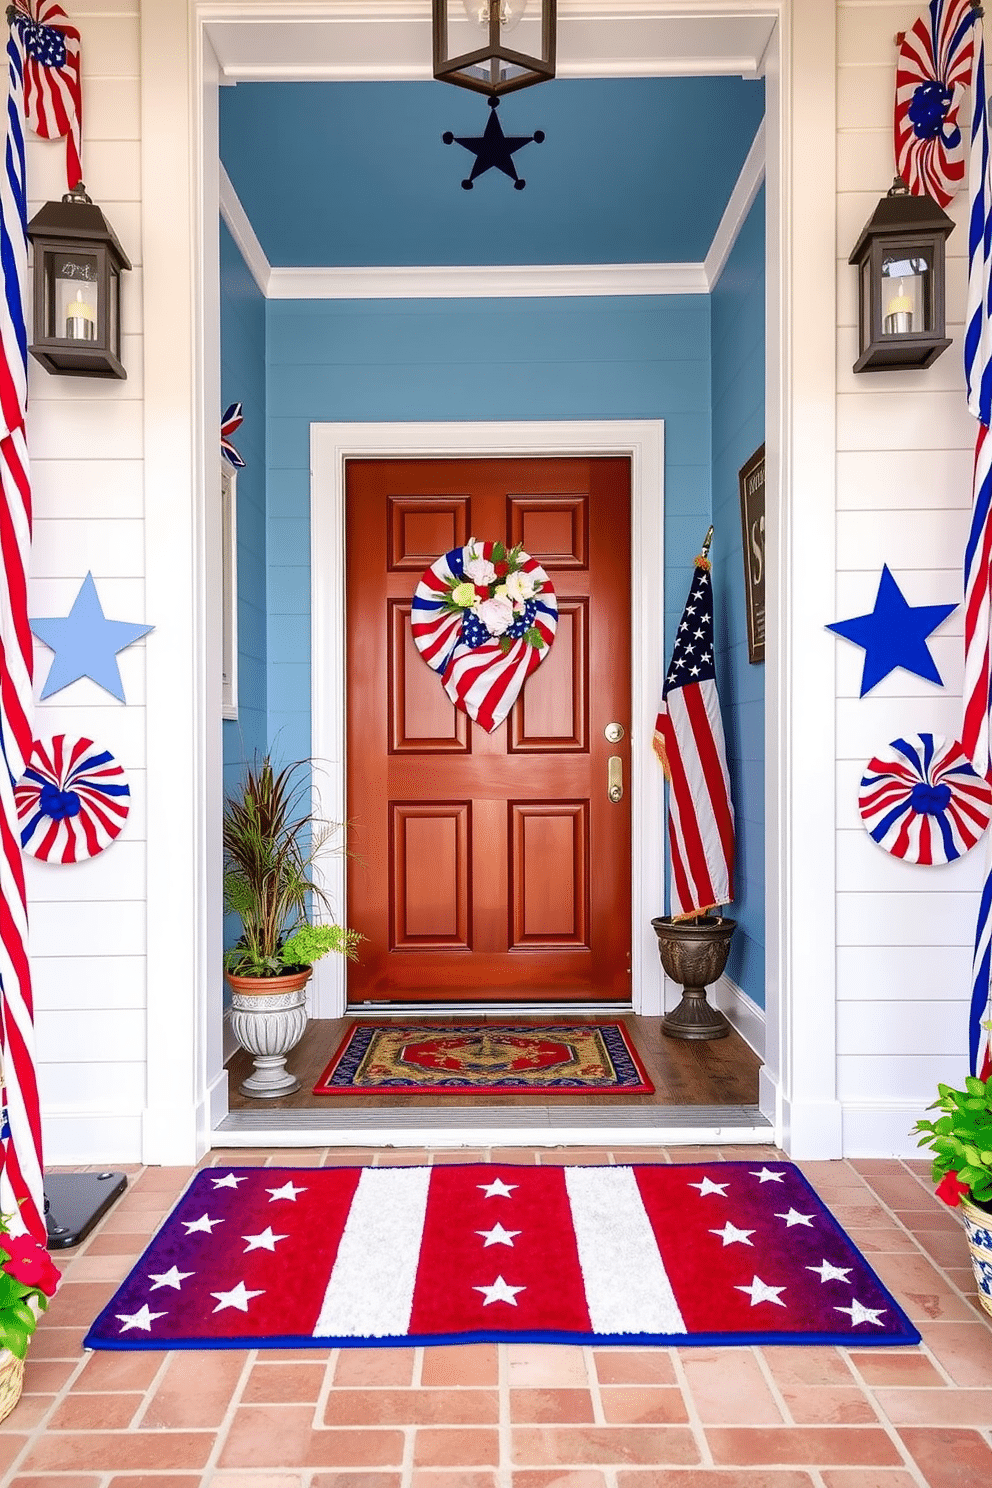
(494, 148)
(894, 634)
(86, 643)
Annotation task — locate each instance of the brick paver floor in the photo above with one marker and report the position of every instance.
(522, 1415)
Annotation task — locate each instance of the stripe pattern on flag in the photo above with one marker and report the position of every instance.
(72, 800)
(21, 1188)
(689, 741)
(932, 70)
(975, 732)
(736, 1252)
(53, 100)
(921, 800)
(482, 674)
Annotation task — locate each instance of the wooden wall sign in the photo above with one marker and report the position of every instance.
(752, 485)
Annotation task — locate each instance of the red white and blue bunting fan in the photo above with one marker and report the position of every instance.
(922, 801)
(231, 421)
(53, 103)
(932, 71)
(484, 617)
(72, 800)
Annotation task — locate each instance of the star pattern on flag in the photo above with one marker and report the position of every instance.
(230, 1180)
(731, 1235)
(497, 1189)
(707, 1186)
(759, 1291)
(173, 1278)
(498, 1236)
(793, 1217)
(499, 1291)
(265, 1240)
(238, 1297)
(858, 1314)
(826, 1272)
(141, 1319)
(289, 1190)
(204, 1225)
(768, 1175)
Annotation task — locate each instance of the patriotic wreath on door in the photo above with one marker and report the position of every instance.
(72, 800)
(922, 800)
(484, 617)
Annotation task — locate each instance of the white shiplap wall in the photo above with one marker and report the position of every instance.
(85, 435)
(904, 449)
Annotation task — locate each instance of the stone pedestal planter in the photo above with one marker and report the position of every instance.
(268, 1018)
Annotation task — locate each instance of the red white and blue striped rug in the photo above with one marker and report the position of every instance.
(725, 1253)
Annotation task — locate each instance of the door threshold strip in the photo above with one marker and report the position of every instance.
(482, 1010)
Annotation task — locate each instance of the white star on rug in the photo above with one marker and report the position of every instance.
(498, 1236)
(768, 1175)
(173, 1278)
(759, 1291)
(204, 1224)
(497, 1189)
(264, 1241)
(140, 1319)
(708, 1186)
(826, 1272)
(499, 1292)
(230, 1181)
(237, 1297)
(731, 1235)
(795, 1218)
(858, 1313)
(289, 1190)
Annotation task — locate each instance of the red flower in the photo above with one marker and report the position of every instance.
(502, 569)
(482, 590)
(951, 1189)
(29, 1263)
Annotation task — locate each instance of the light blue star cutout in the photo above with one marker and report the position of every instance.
(86, 643)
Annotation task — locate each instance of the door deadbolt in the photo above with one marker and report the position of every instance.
(614, 732)
(614, 778)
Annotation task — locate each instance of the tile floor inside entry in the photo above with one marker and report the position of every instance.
(522, 1415)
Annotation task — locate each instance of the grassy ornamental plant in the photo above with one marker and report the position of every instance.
(27, 1280)
(961, 1140)
(270, 845)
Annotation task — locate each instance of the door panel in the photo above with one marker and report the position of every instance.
(488, 867)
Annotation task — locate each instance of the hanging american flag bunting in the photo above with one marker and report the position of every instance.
(230, 423)
(688, 740)
(933, 69)
(53, 104)
(975, 734)
(21, 1193)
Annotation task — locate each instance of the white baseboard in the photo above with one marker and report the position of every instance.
(230, 1042)
(742, 1012)
(812, 1130)
(72, 1138)
(881, 1130)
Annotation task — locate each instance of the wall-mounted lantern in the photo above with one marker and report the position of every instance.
(77, 289)
(491, 66)
(900, 259)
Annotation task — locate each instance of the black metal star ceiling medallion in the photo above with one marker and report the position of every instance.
(494, 148)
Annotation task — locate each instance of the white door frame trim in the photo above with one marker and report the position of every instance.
(642, 441)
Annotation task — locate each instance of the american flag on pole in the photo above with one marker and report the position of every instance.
(688, 739)
(53, 103)
(21, 1179)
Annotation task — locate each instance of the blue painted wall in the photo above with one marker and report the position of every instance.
(612, 357)
(242, 318)
(738, 370)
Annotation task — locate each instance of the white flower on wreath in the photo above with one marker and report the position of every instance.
(496, 615)
(480, 570)
(520, 585)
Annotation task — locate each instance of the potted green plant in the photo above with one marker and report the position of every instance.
(961, 1141)
(271, 842)
(27, 1280)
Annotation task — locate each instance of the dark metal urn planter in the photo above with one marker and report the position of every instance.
(694, 953)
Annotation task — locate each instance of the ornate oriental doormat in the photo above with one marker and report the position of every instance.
(594, 1058)
(717, 1253)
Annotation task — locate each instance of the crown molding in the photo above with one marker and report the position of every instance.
(735, 213)
(484, 281)
(243, 233)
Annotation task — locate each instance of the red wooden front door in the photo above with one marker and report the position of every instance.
(488, 867)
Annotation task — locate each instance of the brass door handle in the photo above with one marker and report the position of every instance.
(614, 778)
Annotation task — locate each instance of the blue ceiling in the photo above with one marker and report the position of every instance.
(632, 170)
